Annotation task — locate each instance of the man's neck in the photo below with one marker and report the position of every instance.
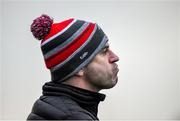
(81, 83)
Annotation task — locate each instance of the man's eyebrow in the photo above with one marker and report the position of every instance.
(105, 47)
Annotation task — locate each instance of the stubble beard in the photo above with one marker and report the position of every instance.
(100, 80)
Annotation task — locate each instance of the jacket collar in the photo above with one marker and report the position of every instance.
(86, 99)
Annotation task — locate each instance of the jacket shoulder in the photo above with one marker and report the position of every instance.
(56, 107)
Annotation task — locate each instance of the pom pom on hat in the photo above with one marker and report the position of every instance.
(41, 26)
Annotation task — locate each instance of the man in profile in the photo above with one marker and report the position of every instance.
(81, 63)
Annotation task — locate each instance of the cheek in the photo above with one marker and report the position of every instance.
(100, 70)
(100, 67)
(95, 70)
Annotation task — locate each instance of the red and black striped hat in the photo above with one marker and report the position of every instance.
(67, 46)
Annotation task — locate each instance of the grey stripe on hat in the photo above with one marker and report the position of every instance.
(59, 33)
(78, 50)
(67, 42)
(101, 45)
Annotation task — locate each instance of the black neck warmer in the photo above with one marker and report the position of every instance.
(88, 100)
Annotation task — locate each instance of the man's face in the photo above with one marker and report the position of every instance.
(101, 73)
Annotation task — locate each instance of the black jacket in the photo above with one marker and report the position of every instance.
(64, 102)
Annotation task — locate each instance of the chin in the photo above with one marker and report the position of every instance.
(113, 83)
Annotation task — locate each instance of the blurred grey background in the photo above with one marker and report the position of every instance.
(144, 33)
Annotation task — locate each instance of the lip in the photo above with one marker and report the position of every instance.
(116, 69)
(116, 66)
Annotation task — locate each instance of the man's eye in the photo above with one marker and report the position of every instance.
(104, 51)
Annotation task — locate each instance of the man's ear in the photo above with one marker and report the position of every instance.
(80, 73)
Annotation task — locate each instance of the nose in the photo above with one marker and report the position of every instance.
(113, 57)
